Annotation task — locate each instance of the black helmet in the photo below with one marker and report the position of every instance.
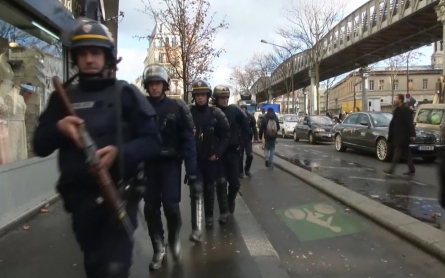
(155, 73)
(201, 86)
(87, 33)
(221, 91)
(243, 104)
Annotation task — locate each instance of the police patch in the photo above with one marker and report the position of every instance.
(199, 84)
(87, 28)
(83, 105)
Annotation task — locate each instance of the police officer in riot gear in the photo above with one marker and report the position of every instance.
(238, 134)
(97, 98)
(163, 175)
(246, 146)
(212, 137)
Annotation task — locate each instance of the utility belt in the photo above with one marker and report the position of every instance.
(84, 192)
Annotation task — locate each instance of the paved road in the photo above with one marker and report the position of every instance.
(313, 235)
(362, 172)
(48, 250)
(318, 237)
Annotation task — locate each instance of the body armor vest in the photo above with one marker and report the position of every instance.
(97, 109)
(205, 135)
(167, 127)
(235, 129)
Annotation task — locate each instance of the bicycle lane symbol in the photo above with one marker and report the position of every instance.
(320, 210)
(316, 221)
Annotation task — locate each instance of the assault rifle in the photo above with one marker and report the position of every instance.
(108, 189)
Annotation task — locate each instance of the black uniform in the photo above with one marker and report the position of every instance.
(106, 248)
(212, 133)
(238, 133)
(163, 174)
(246, 146)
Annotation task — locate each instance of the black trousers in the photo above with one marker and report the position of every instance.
(399, 152)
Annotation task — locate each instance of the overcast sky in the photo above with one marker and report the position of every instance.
(249, 22)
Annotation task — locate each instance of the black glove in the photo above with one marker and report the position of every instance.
(191, 180)
(186, 179)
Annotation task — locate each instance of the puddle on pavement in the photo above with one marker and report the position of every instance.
(397, 188)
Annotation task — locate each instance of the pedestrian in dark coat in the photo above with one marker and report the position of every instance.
(401, 133)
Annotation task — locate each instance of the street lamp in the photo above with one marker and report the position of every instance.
(292, 65)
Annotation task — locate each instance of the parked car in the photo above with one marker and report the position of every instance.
(430, 117)
(314, 128)
(287, 124)
(369, 131)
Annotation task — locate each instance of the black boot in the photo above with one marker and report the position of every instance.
(196, 205)
(209, 204)
(114, 270)
(154, 225)
(231, 198)
(159, 252)
(174, 224)
(249, 160)
(221, 192)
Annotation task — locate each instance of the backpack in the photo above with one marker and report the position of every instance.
(271, 129)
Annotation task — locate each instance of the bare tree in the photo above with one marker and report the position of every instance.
(191, 22)
(264, 65)
(396, 63)
(329, 84)
(308, 22)
(283, 68)
(244, 77)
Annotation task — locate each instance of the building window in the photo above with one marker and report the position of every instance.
(360, 87)
(173, 41)
(167, 41)
(161, 58)
(381, 84)
(29, 58)
(160, 43)
(411, 84)
(395, 86)
(371, 85)
(425, 84)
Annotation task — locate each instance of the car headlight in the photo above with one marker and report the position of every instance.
(440, 139)
(319, 130)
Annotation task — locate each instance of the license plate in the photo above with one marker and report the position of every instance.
(426, 148)
(329, 135)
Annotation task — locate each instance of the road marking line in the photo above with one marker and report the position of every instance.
(416, 197)
(253, 235)
(371, 179)
(418, 183)
(259, 246)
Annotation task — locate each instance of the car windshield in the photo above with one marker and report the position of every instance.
(290, 118)
(321, 120)
(430, 116)
(381, 119)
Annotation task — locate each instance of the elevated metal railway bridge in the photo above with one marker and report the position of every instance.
(377, 30)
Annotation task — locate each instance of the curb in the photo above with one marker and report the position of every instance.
(26, 216)
(426, 237)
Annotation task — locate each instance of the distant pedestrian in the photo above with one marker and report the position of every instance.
(401, 133)
(270, 126)
(259, 121)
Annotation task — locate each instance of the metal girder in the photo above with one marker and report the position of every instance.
(371, 31)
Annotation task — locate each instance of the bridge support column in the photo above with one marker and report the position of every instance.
(313, 90)
(440, 11)
(364, 73)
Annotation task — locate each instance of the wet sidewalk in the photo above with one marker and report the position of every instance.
(48, 250)
(316, 236)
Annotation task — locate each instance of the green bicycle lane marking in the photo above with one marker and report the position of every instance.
(319, 221)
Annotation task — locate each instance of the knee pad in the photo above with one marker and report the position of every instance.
(171, 208)
(250, 155)
(196, 189)
(114, 270)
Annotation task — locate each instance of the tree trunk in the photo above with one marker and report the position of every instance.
(287, 103)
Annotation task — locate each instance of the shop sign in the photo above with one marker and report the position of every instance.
(73, 6)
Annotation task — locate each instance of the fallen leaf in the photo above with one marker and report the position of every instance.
(25, 227)
(44, 210)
